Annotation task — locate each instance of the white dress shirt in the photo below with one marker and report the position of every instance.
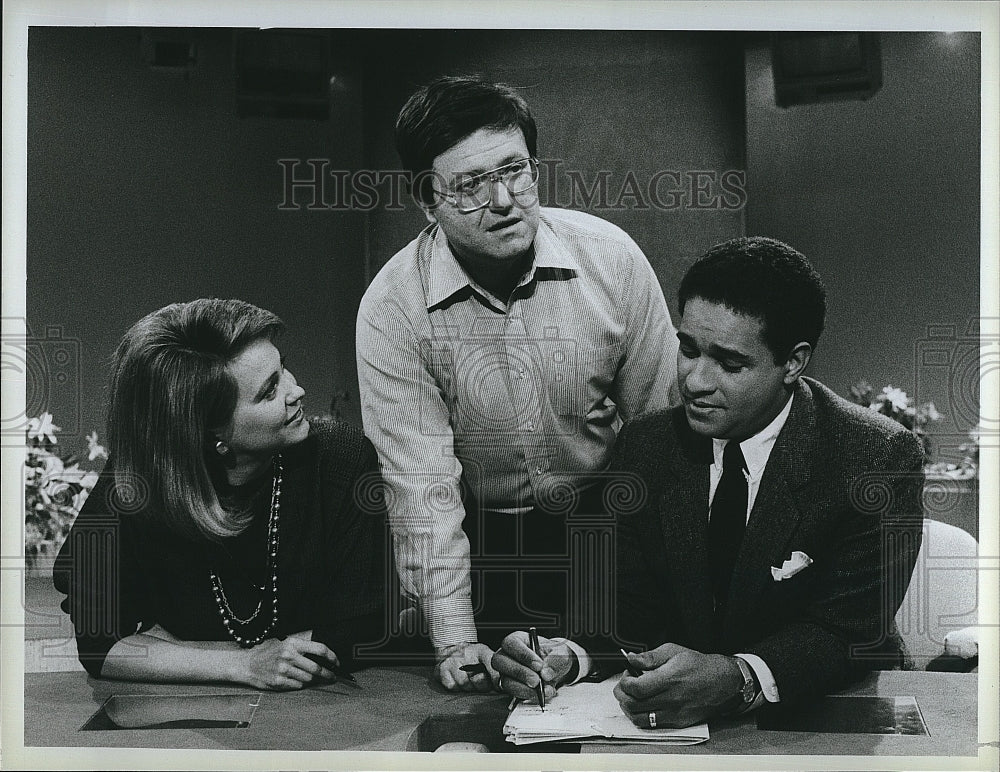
(756, 451)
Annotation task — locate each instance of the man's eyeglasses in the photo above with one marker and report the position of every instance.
(470, 194)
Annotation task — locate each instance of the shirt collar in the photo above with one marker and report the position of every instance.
(448, 277)
(756, 449)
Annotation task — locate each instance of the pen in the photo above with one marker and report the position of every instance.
(339, 672)
(632, 669)
(476, 669)
(343, 675)
(533, 637)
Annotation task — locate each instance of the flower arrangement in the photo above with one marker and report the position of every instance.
(899, 406)
(967, 468)
(55, 487)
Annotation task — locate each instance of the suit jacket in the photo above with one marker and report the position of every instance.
(842, 484)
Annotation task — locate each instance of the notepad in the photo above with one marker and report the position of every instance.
(589, 711)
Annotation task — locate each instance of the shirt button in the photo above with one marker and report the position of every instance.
(538, 470)
(531, 426)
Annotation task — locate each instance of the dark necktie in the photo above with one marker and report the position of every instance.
(727, 521)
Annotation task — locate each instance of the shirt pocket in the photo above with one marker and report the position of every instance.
(582, 380)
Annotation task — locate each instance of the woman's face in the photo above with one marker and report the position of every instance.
(268, 414)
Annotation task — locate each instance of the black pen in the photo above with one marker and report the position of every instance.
(632, 669)
(476, 669)
(533, 637)
(340, 673)
(343, 675)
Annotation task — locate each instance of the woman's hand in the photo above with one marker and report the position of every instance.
(285, 664)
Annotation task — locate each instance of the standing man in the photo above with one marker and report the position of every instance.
(498, 353)
(780, 523)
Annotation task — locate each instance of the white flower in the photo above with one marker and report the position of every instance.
(53, 468)
(42, 428)
(96, 450)
(896, 397)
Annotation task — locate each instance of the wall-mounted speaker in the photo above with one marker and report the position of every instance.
(168, 50)
(282, 74)
(825, 66)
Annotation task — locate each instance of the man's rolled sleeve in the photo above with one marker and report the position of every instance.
(407, 421)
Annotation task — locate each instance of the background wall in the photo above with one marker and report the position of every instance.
(145, 188)
(883, 196)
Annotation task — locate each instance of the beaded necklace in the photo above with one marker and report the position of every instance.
(234, 625)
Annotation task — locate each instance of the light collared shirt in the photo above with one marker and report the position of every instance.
(756, 452)
(511, 398)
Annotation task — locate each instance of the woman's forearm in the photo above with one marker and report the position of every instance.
(158, 656)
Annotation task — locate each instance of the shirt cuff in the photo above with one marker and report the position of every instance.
(768, 688)
(582, 658)
(451, 622)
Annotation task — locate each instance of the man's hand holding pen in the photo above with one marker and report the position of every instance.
(522, 670)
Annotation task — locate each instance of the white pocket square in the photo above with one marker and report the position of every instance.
(794, 564)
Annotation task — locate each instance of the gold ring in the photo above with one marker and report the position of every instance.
(652, 719)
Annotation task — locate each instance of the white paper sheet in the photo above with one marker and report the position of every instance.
(589, 710)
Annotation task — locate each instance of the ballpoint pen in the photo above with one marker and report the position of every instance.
(343, 675)
(337, 670)
(533, 637)
(632, 669)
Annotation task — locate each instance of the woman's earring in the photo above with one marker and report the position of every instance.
(221, 448)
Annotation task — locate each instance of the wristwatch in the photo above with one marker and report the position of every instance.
(748, 692)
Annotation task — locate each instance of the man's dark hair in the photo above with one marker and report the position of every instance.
(765, 279)
(449, 109)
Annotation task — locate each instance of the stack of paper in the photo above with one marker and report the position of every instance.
(588, 710)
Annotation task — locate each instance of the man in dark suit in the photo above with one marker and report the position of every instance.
(776, 526)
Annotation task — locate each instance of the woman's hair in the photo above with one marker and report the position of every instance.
(170, 390)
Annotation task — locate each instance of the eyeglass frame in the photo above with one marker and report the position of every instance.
(493, 177)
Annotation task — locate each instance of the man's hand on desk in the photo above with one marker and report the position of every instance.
(449, 668)
(682, 686)
(521, 668)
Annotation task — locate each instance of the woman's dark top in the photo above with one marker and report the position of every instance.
(124, 571)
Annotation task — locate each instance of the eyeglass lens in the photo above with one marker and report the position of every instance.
(518, 177)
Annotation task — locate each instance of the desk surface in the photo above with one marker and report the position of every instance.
(385, 712)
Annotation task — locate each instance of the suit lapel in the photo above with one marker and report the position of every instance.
(776, 511)
(684, 521)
